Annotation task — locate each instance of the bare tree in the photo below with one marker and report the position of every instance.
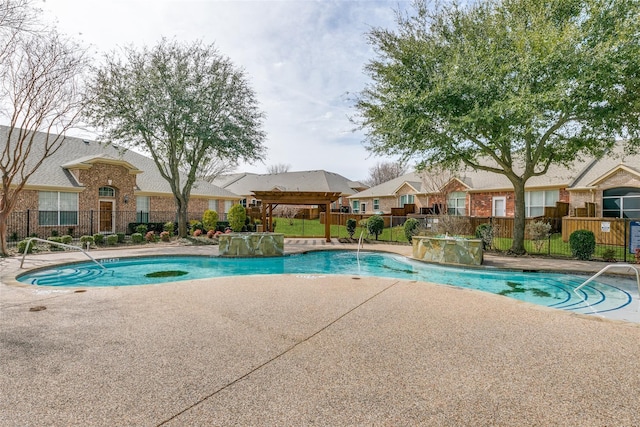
(286, 211)
(383, 172)
(215, 167)
(278, 168)
(40, 97)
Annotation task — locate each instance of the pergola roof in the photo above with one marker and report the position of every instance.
(297, 197)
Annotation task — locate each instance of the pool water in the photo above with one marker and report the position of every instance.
(548, 289)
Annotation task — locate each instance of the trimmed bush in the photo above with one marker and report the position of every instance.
(86, 239)
(411, 228)
(209, 219)
(351, 227)
(136, 238)
(67, 239)
(22, 245)
(112, 239)
(150, 236)
(141, 228)
(165, 236)
(236, 216)
(98, 238)
(120, 237)
(169, 227)
(375, 225)
(222, 226)
(582, 244)
(55, 239)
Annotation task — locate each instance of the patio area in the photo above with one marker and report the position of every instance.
(307, 350)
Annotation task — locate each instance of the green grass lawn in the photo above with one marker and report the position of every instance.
(552, 247)
(312, 228)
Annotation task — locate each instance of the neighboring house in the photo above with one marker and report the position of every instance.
(91, 187)
(318, 181)
(605, 187)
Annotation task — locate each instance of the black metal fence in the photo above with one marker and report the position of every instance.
(44, 224)
(616, 238)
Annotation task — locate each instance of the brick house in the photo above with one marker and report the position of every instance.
(594, 187)
(87, 187)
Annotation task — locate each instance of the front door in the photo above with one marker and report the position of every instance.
(106, 216)
(499, 206)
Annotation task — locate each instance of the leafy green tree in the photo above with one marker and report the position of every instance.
(506, 86)
(375, 225)
(236, 216)
(182, 104)
(351, 227)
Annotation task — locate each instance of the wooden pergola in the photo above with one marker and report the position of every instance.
(319, 198)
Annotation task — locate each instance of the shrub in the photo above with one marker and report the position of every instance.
(169, 227)
(236, 216)
(150, 236)
(375, 225)
(411, 228)
(67, 239)
(137, 238)
(194, 225)
(84, 240)
(222, 225)
(14, 237)
(55, 239)
(197, 232)
(165, 236)
(485, 232)
(98, 238)
(120, 237)
(539, 232)
(141, 228)
(112, 239)
(22, 245)
(637, 255)
(210, 234)
(55, 233)
(609, 255)
(351, 227)
(582, 244)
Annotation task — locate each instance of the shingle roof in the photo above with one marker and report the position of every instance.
(317, 180)
(52, 172)
(582, 173)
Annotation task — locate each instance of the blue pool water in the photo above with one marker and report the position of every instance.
(548, 289)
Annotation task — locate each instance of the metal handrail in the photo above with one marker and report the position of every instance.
(604, 269)
(26, 250)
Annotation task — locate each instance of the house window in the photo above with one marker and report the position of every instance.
(213, 205)
(356, 206)
(406, 199)
(227, 206)
(106, 192)
(622, 202)
(243, 202)
(456, 203)
(57, 208)
(536, 201)
(376, 204)
(142, 209)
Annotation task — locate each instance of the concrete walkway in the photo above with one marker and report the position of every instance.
(306, 350)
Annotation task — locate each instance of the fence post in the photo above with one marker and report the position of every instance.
(28, 222)
(91, 222)
(626, 244)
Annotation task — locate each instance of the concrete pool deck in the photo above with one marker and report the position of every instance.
(307, 350)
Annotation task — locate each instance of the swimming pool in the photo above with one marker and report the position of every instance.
(548, 289)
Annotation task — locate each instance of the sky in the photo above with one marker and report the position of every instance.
(304, 59)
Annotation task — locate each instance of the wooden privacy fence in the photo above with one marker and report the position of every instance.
(608, 231)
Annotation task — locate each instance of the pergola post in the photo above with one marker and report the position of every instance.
(327, 222)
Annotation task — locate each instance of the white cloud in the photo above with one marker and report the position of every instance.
(302, 58)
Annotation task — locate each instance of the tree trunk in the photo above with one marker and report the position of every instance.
(517, 246)
(3, 234)
(183, 219)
